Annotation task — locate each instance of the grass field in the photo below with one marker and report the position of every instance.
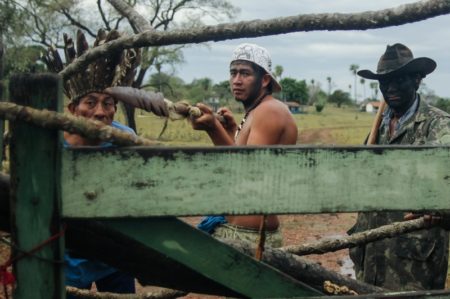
(340, 126)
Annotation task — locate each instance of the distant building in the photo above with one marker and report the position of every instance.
(370, 106)
(294, 107)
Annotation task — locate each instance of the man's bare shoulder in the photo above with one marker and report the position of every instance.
(273, 105)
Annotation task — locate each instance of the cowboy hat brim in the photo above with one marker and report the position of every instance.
(423, 65)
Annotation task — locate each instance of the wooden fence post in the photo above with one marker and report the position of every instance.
(2, 87)
(35, 192)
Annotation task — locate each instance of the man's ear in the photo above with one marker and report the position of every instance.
(266, 80)
(71, 107)
(418, 81)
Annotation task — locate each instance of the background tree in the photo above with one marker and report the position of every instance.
(278, 72)
(171, 86)
(314, 92)
(363, 84)
(199, 90)
(443, 104)
(374, 87)
(329, 85)
(354, 68)
(44, 21)
(339, 98)
(321, 100)
(222, 91)
(295, 90)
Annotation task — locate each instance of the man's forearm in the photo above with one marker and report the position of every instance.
(219, 135)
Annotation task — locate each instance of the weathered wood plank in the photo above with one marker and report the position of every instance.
(214, 259)
(2, 95)
(174, 182)
(35, 179)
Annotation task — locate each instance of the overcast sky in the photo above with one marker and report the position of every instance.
(318, 55)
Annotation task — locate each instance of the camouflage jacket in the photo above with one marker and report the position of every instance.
(416, 260)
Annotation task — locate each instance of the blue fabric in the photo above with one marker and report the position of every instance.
(209, 223)
(119, 126)
(81, 273)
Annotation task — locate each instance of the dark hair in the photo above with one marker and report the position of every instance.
(259, 72)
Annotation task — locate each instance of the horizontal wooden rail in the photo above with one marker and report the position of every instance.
(140, 182)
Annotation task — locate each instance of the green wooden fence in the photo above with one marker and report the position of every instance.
(128, 189)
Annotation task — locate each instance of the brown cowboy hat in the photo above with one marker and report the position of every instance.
(399, 59)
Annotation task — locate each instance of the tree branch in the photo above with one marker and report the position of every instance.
(159, 294)
(102, 14)
(76, 23)
(78, 125)
(382, 232)
(137, 22)
(303, 270)
(403, 14)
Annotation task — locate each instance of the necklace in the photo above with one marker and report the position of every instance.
(244, 119)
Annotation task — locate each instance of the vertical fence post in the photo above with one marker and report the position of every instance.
(35, 191)
(2, 87)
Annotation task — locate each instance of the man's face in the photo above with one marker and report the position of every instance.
(245, 83)
(95, 106)
(399, 92)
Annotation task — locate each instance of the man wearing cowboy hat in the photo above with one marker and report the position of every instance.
(266, 121)
(416, 260)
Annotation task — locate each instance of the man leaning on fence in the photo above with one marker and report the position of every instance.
(416, 260)
(266, 121)
(88, 98)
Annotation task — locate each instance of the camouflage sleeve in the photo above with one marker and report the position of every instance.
(445, 221)
(439, 131)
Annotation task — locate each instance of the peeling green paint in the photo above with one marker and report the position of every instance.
(272, 180)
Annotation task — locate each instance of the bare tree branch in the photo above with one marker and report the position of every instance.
(382, 232)
(66, 13)
(403, 14)
(302, 269)
(137, 22)
(78, 125)
(159, 294)
(102, 14)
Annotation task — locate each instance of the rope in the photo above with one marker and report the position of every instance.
(6, 277)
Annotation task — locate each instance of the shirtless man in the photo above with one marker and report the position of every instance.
(266, 121)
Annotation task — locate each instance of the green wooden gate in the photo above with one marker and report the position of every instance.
(133, 190)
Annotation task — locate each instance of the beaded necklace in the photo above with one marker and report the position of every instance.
(244, 119)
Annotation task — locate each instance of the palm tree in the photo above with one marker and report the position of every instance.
(354, 68)
(329, 85)
(363, 81)
(374, 87)
(278, 72)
